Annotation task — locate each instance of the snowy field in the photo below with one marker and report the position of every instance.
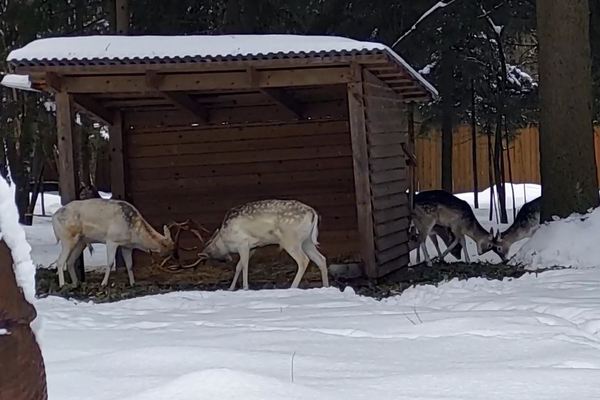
(537, 337)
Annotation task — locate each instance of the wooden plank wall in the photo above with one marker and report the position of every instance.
(387, 129)
(178, 171)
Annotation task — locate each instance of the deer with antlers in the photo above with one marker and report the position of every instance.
(288, 223)
(116, 223)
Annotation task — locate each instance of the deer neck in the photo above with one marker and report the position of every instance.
(476, 231)
(147, 237)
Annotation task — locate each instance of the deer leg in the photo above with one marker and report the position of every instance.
(463, 242)
(76, 252)
(236, 276)
(450, 247)
(61, 262)
(436, 244)
(111, 250)
(128, 258)
(319, 259)
(245, 259)
(302, 260)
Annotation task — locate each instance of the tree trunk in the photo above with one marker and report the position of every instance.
(474, 146)
(567, 159)
(446, 88)
(499, 171)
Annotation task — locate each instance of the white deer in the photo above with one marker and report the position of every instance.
(115, 223)
(288, 223)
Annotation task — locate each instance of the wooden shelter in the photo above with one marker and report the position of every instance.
(199, 124)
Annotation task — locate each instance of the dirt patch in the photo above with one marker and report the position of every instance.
(277, 274)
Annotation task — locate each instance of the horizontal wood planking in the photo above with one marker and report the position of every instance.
(189, 134)
(399, 250)
(199, 173)
(233, 169)
(383, 243)
(242, 180)
(390, 227)
(394, 265)
(232, 115)
(390, 214)
(391, 201)
(240, 145)
(240, 157)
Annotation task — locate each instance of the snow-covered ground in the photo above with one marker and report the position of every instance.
(537, 337)
(531, 338)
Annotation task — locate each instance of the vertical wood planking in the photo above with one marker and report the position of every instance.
(362, 184)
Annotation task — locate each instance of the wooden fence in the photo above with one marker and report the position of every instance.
(524, 155)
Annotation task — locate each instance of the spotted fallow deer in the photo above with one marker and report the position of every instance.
(438, 207)
(524, 226)
(288, 223)
(115, 223)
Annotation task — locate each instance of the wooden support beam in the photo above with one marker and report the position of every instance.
(362, 180)
(68, 144)
(117, 158)
(67, 155)
(285, 101)
(53, 81)
(186, 103)
(91, 106)
(154, 81)
(207, 81)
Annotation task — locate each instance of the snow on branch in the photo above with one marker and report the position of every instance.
(439, 4)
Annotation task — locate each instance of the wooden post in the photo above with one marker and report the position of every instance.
(23, 374)
(122, 17)
(362, 181)
(67, 158)
(116, 157)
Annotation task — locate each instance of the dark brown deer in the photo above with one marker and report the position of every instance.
(524, 226)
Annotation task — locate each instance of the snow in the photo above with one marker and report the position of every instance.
(21, 82)
(215, 46)
(536, 337)
(533, 338)
(13, 235)
(571, 242)
(439, 4)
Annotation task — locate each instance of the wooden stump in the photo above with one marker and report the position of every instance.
(22, 373)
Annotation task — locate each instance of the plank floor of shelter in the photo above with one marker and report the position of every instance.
(275, 274)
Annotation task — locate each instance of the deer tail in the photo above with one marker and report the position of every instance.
(314, 232)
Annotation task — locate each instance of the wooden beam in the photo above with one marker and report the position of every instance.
(67, 156)
(186, 103)
(362, 182)
(208, 81)
(286, 101)
(91, 106)
(155, 81)
(117, 158)
(53, 81)
(68, 144)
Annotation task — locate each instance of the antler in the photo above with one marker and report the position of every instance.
(189, 226)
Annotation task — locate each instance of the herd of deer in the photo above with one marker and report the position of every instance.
(288, 223)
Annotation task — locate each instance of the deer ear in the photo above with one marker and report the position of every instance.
(167, 232)
(492, 236)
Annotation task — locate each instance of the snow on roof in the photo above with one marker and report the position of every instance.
(106, 47)
(21, 82)
(13, 234)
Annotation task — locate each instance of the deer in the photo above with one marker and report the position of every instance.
(115, 223)
(444, 233)
(526, 223)
(438, 207)
(288, 223)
